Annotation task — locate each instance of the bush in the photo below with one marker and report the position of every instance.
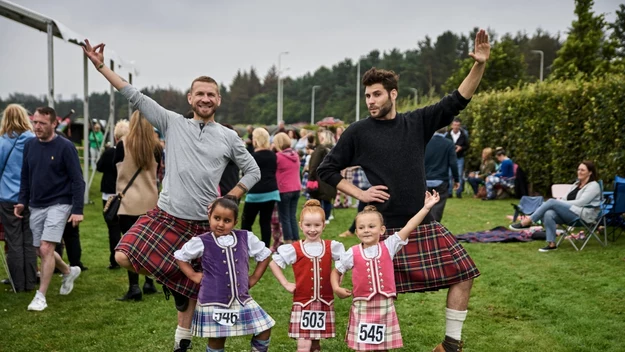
(549, 128)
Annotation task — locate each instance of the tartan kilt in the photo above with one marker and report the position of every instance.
(378, 310)
(296, 318)
(432, 260)
(151, 242)
(348, 174)
(252, 320)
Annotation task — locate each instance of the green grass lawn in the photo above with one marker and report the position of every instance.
(523, 301)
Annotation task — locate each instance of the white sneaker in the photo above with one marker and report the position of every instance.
(68, 280)
(327, 222)
(331, 217)
(38, 303)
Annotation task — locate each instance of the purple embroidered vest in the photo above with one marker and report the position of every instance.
(226, 271)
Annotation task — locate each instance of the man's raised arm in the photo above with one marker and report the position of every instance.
(480, 54)
(96, 55)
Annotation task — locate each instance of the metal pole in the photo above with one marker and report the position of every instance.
(358, 91)
(542, 61)
(129, 105)
(280, 87)
(85, 125)
(112, 106)
(312, 106)
(50, 66)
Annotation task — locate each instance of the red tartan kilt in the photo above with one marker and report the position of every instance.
(296, 318)
(151, 242)
(432, 260)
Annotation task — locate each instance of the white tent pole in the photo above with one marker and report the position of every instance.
(112, 105)
(85, 126)
(50, 65)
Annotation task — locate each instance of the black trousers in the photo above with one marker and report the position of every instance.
(114, 236)
(71, 242)
(250, 210)
(438, 208)
(361, 207)
(21, 254)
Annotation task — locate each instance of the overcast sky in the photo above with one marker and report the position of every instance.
(173, 42)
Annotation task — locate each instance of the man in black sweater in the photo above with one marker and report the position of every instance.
(390, 147)
(461, 141)
(440, 156)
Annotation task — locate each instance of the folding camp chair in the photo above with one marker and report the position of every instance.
(591, 229)
(527, 206)
(615, 206)
(4, 260)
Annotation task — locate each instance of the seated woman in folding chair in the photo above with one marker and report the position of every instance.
(582, 201)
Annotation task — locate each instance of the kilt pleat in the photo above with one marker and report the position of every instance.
(295, 330)
(378, 310)
(252, 320)
(432, 260)
(151, 242)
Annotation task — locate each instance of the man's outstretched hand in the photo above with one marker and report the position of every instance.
(481, 53)
(95, 54)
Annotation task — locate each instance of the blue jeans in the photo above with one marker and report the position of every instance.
(552, 213)
(327, 208)
(460, 164)
(287, 209)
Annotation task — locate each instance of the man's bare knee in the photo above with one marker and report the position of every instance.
(123, 260)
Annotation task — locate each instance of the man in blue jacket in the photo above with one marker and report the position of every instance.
(53, 188)
(504, 177)
(440, 156)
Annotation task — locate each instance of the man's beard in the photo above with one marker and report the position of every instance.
(384, 110)
(206, 116)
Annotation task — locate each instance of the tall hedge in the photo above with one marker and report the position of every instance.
(549, 128)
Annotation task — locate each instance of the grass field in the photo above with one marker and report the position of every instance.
(523, 301)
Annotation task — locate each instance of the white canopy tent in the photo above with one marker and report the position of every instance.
(54, 28)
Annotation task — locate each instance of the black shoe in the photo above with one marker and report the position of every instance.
(149, 288)
(113, 266)
(183, 346)
(6, 281)
(83, 268)
(134, 293)
(548, 249)
(518, 227)
(459, 195)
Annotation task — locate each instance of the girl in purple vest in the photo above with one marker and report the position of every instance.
(373, 323)
(224, 307)
(312, 313)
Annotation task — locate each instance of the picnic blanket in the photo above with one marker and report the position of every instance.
(497, 234)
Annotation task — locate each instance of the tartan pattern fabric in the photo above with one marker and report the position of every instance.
(432, 260)
(276, 229)
(348, 174)
(252, 320)
(296, 318)
(151, 242)
(360, 179)
(378, 310)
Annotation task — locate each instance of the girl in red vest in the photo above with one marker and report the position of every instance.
(312, 315)
(373, 323)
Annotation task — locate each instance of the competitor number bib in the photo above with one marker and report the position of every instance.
(313, 320)
(372, 334)
(227, 317)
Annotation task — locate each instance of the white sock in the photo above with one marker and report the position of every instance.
(181, 334)
(454, 321)
(40, 294)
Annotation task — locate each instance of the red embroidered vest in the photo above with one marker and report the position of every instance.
(372, 276)
(312, 275)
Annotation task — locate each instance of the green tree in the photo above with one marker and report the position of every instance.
(582, 49)
(506, 68)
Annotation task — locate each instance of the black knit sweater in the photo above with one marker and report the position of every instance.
(391, 152)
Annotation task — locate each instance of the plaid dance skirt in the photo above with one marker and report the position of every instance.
(378, 310)
(432, 260)
(295, 330)
(151, 242)
(252, 320)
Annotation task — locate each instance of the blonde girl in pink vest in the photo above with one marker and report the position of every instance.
(312, 313)
(373, 324)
